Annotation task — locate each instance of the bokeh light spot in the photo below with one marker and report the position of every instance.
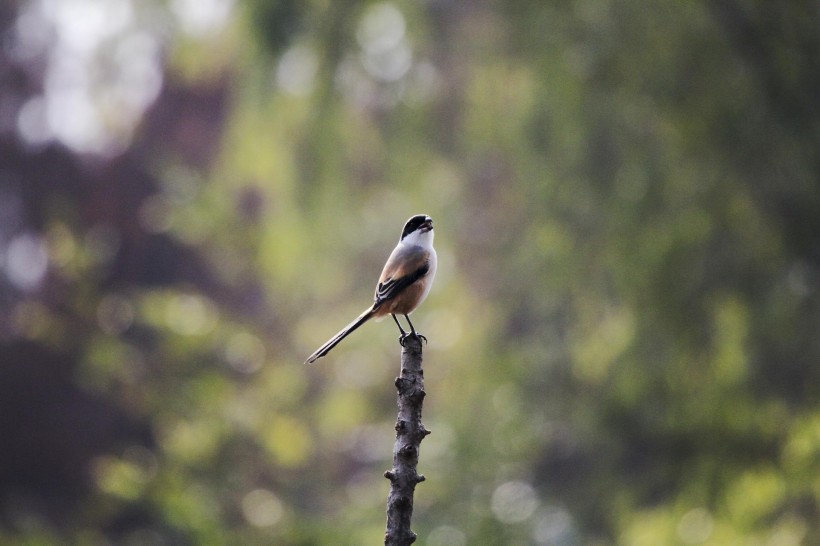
(202, 17)
(381, 34)
(26, 261)
(297, 70)
(189, 441)
(125, 477)
(695, 526)
(245, 352)
(514, 502)
(191, 315)
(261, 508)
(553, 526)
(101, 72)
(382, 28)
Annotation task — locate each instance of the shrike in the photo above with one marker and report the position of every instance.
(405, 282)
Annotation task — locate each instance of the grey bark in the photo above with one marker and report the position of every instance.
(410, 432)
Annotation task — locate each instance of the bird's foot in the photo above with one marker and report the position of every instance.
(405, 335)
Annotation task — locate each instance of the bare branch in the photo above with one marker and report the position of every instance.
(410, 432)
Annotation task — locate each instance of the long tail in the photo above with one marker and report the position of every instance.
(332, 342)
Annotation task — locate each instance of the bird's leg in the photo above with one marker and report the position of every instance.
(413, 330)
(403, 333)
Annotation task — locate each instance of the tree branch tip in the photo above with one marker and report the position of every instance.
(390, 475)
(420, 478)
(426, 432)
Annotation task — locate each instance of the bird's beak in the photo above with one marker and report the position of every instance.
(428, 224)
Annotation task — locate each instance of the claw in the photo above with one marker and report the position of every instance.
(405, 335)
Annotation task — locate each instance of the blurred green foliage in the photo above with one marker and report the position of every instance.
(623, 333)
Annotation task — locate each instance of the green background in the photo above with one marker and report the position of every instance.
(624, 344)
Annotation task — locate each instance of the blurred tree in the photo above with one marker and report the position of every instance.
(626, 196)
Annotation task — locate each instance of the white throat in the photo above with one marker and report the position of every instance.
(421, 238)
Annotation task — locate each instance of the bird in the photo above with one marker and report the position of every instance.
(405, 281)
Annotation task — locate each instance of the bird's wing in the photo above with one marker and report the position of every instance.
(404, 267)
